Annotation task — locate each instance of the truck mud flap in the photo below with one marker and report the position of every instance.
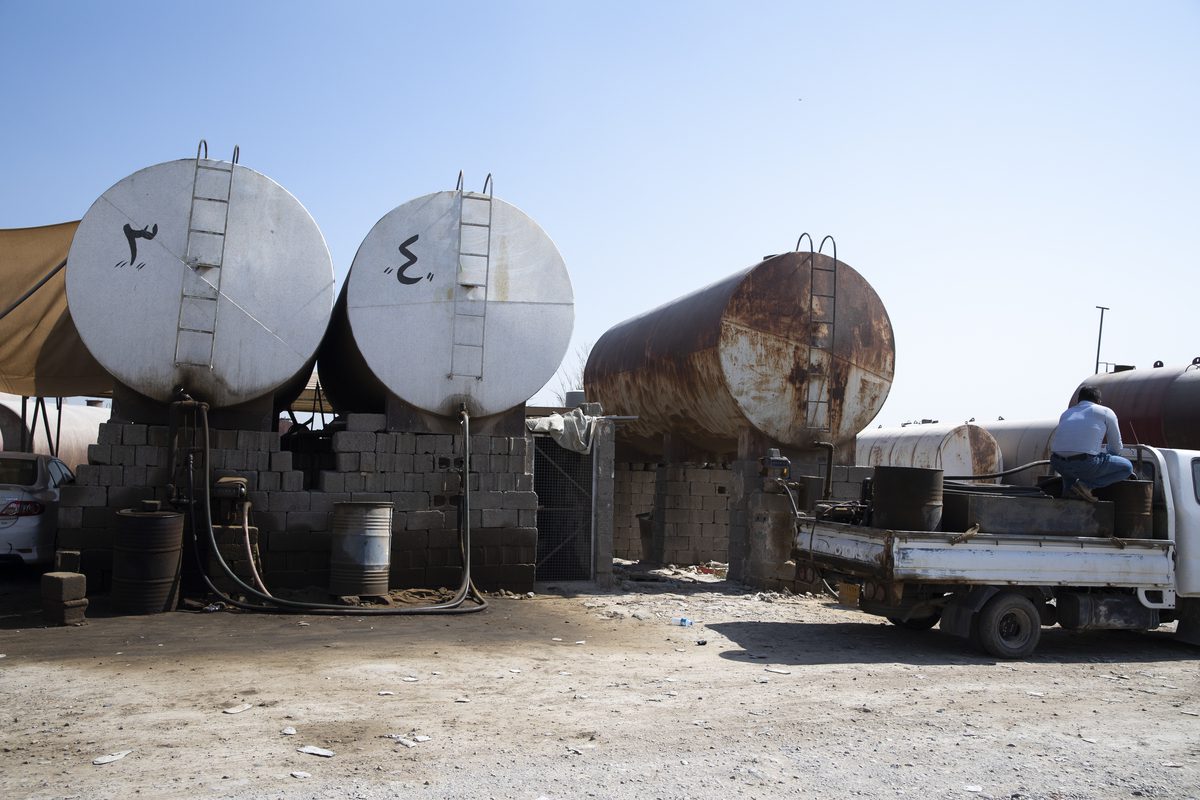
(958, 613)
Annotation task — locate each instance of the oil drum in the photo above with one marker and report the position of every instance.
(906, 498)
(146, 551)
(1133, 515)
(360, 548)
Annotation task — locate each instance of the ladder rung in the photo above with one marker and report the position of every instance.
(206, 331)
(465, 314)
(474, 255)
(202, 230)
(215, 169)
(476, 224)
(209, 199)
(200, 297)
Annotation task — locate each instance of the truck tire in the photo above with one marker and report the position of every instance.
(916, 623)
(1009, 626)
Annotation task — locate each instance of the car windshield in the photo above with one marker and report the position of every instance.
(19, 471)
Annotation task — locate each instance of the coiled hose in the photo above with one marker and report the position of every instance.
(278, 605)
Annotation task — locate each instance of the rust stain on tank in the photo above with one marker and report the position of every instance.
(742, 354)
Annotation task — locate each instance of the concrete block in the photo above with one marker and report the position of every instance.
(366, 423)
(422, 463)
(280, 461)
(366, 462)
(520, 500)
(146, 455)
(66, 561)
(328, 481)
(527, 519)
(268, 521)
(288, 501)
(158, 436)
(500, 518)
(109, 433)
(324, 501)
(355, 482)
(70, 517)
(269, 482)
(385, 444)
(425, 520)
(134, 434)
(518, 446)
(300, 521)
(70, 612)
(260, 500)
(374, 482)
(346, 462)
(292, 481)
(62, 586)
(129, 496)
(353, 442)
(85, 496)
(122, 454)
(99, 454)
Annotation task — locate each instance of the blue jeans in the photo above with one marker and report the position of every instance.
(1094, 472)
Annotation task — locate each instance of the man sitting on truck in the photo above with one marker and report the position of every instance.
(1076, 453)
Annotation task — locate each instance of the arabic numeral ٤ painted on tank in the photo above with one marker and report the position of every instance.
(402, 270)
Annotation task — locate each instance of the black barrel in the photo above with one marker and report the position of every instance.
(906, 498)
(1133, 510)
(146, 553)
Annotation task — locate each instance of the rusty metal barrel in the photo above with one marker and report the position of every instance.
(906, 499)
(796, 348)
(146, 550)
(360, 548)
(1133, 510)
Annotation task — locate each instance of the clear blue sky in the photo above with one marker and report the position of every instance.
(995, 170)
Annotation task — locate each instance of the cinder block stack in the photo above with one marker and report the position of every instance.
(694, 503)
(64, 597)
(633, 494)
(293, 494)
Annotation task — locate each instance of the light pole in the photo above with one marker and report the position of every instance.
(1100, 335)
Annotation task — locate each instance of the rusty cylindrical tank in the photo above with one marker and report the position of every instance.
(759, 351)
(955, 449)
(1159, 406)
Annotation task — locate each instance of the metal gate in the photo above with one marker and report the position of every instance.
(565, 485)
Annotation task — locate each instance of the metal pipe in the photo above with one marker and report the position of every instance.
(829, 447)
(1100, 336)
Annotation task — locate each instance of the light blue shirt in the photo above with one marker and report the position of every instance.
(1083, 427)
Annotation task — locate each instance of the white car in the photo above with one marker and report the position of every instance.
(29, 488)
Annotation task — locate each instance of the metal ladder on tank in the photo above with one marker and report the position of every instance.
(822, 319)
(474, 271)
(195, 336)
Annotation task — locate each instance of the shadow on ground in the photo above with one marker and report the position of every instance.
(873, 642)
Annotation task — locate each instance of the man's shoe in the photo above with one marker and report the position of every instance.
(1083, 493)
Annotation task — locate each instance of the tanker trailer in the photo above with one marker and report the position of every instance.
(1158, 406)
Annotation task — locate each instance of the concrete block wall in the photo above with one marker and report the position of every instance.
(633, 494)
(691, 513)
(293, 495)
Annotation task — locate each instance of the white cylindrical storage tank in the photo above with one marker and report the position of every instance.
(200, 275)
(80, 427)
(957, 450)
(453, 298)
(1023, 442)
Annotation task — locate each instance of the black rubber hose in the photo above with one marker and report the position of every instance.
(280, 605)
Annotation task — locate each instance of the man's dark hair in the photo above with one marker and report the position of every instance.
(1089, 393)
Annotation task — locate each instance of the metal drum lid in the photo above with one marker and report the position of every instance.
(458, 297)
(200, 274)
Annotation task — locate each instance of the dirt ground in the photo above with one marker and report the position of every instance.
(572, 694)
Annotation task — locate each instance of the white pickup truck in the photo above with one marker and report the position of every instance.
(1000, 589)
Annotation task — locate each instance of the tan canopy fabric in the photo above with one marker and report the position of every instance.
(40, 350)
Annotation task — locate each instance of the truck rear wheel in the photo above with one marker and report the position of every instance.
(1009, 626)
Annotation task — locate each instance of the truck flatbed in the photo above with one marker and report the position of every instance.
(985, 559)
